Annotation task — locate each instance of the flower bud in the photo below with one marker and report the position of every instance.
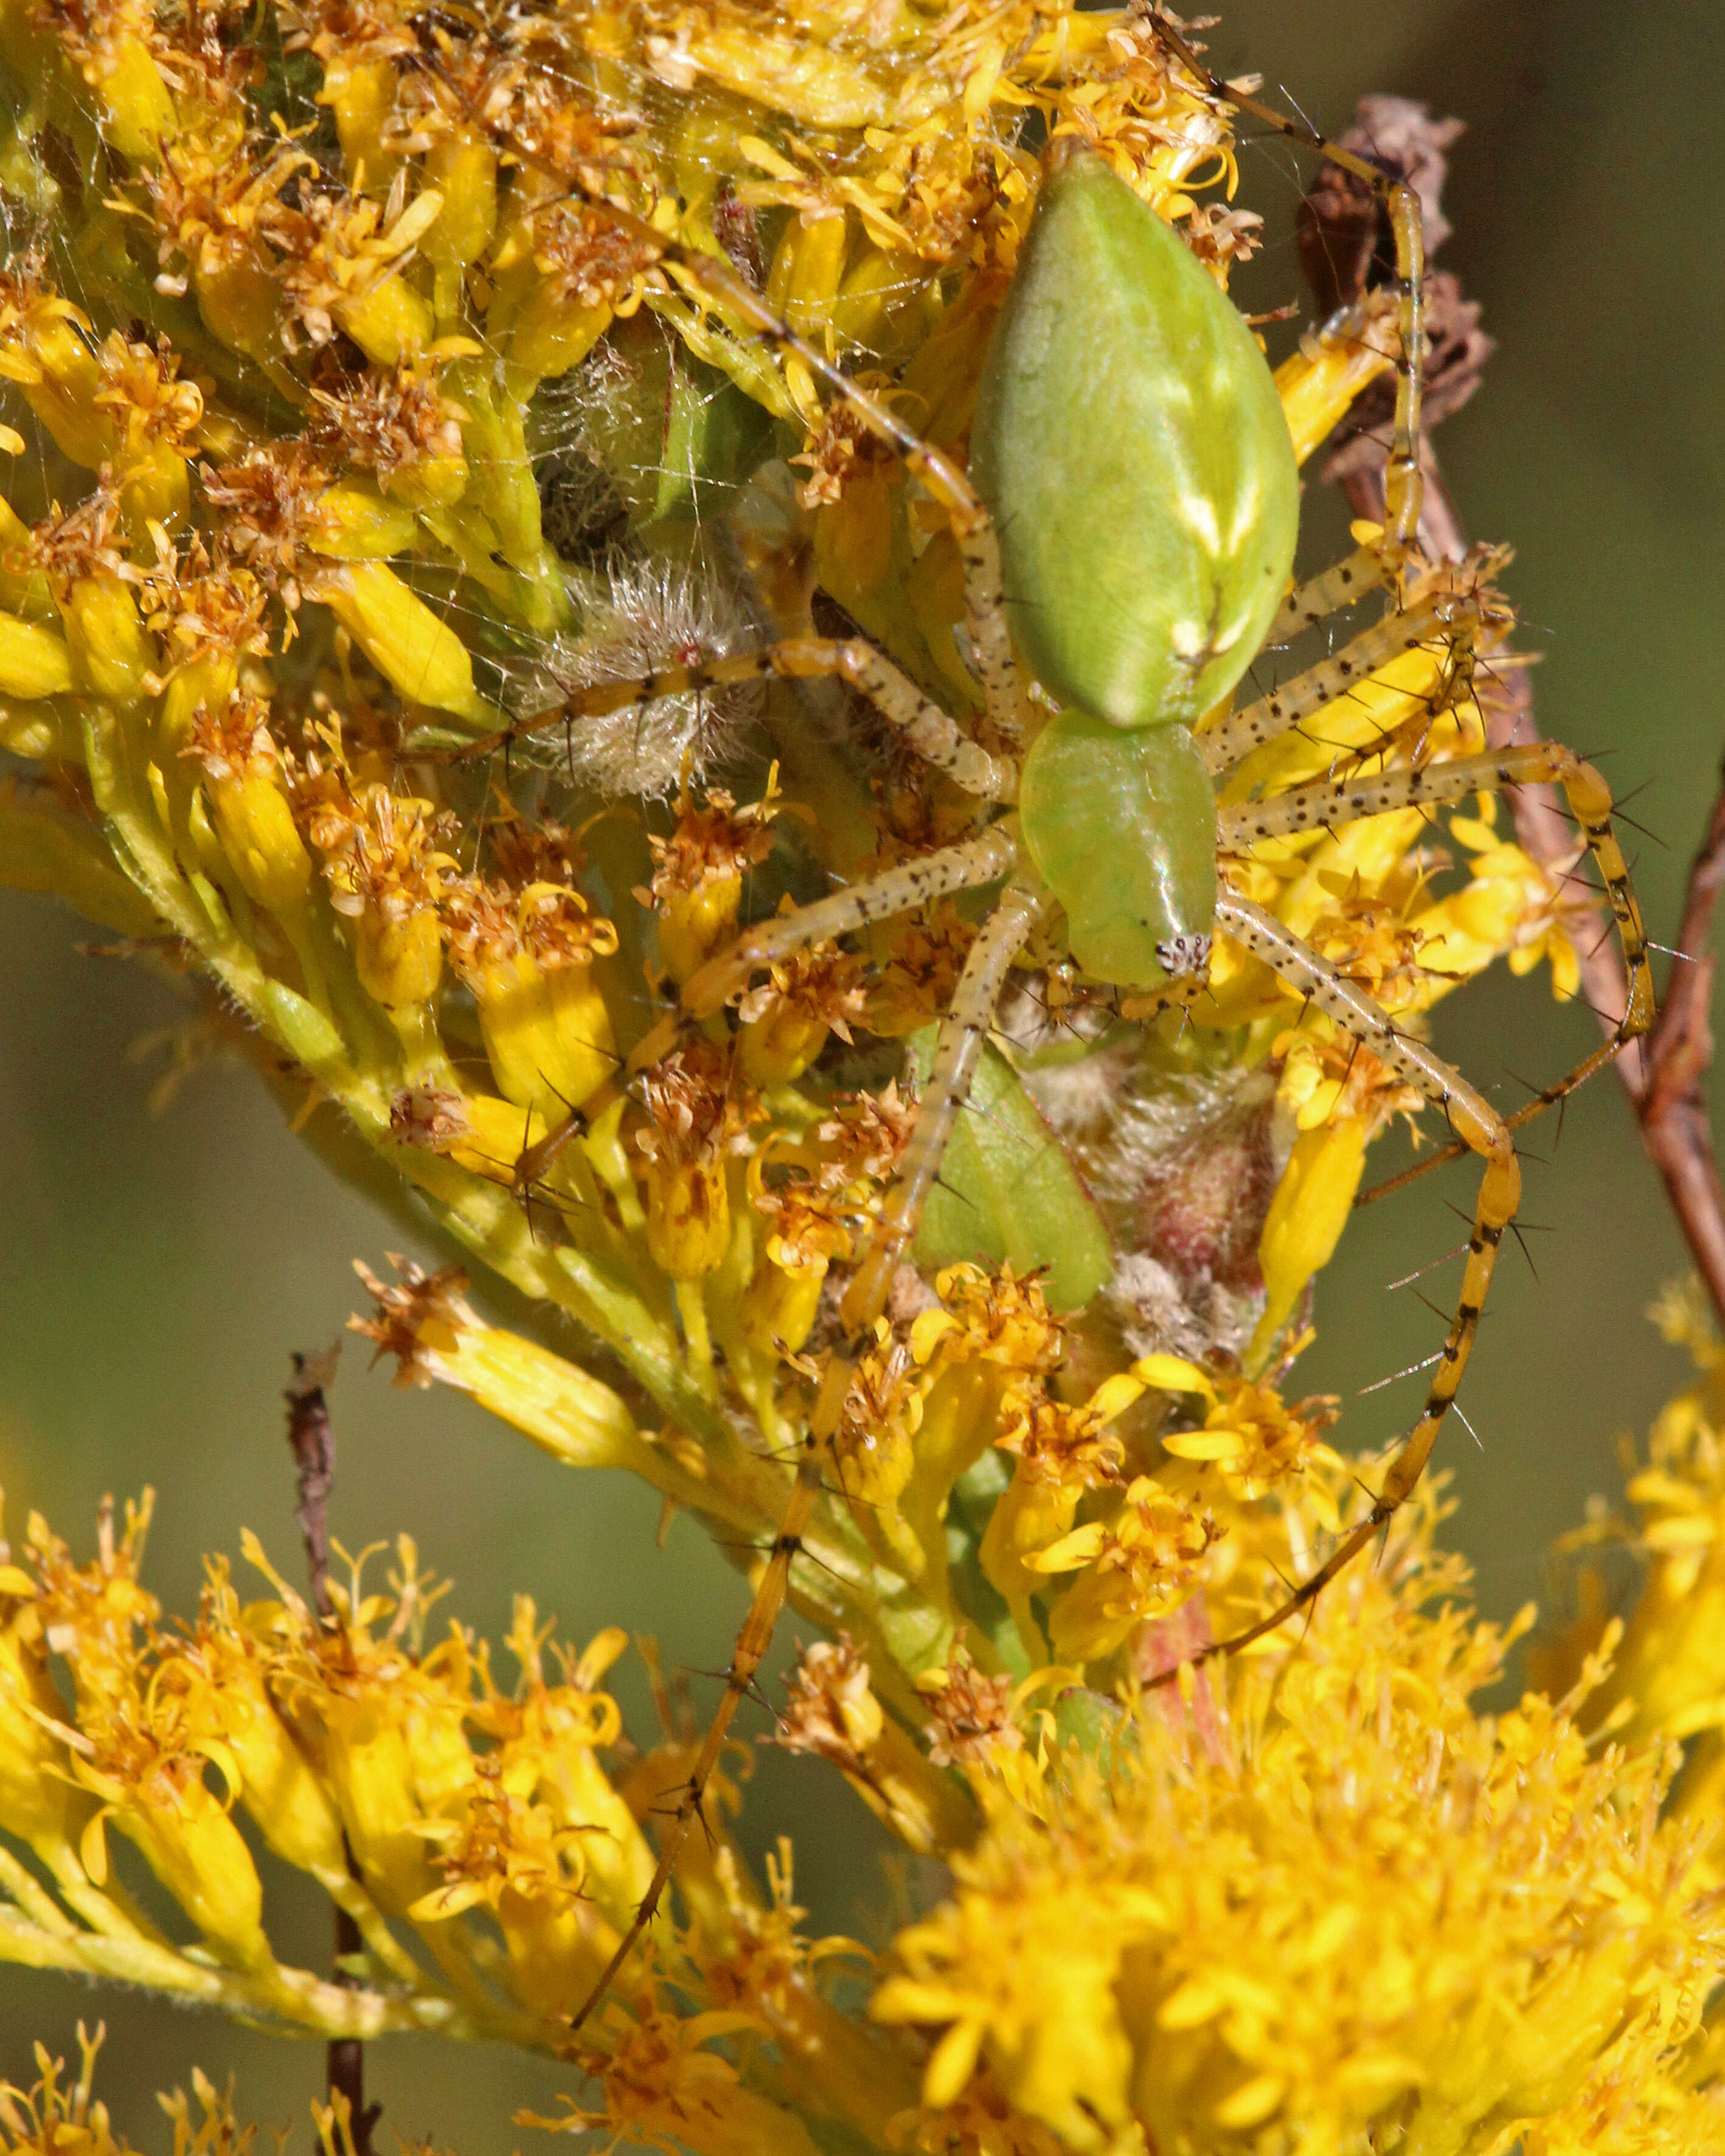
(546, 1031)
(400, 957)
(694, 924)
(155, 488)
(137, 112)
(389, 321)
(404, 638)
(688, 1216)
(59, 377)
(34, 662)
(782, 1042)
(240, 303)
(356, 524)
(553, 333)
(112, 656)
(1306, 1219)
(361, 95)
(803, 281)
(258, 833)
(779, 1305)
(464, 172)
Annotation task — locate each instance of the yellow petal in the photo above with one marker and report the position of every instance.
(1171, 1374)
(1204, 1444)
(952, 2065)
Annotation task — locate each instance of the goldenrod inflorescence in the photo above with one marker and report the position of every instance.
(365, 399)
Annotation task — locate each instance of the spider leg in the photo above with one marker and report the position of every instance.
(716, 285)
(1307, 808)
(1344, 585)
(930, 731)
(751, 1645)
(966, 866)
(1482, 1131)
(1447, 616)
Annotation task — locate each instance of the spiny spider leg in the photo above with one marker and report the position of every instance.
(753, 1642)
(969, 865)
(1483, 1132)
(1446, 615)
(1025, 901)
(1310, 807)
(1331, 591)
(719, 287)
(929, 730)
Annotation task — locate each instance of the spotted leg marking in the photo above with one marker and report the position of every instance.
(934, 735)
(965, 866)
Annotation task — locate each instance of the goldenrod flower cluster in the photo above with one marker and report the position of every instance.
(361, 402)
(1313, 1900)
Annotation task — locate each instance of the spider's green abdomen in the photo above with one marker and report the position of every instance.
(1131, 447)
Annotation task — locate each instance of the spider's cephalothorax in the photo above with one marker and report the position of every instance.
(1127, 532)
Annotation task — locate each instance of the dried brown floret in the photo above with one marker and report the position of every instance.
(405, 1308)
(971, 1720)
(432, 1117)
(830, 1712)
(273, 495)
(385, 422)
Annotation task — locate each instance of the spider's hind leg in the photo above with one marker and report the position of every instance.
(1310, 807)
(1481, 1130)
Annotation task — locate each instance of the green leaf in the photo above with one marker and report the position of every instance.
(1008, 1193)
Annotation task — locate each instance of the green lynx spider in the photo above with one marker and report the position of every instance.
(1103, 277)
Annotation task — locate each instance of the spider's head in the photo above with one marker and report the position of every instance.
(1184, 957)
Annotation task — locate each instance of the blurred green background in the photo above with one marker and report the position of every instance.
(155, 1274)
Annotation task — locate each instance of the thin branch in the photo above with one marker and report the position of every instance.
(313, 1442)
(312, 1438)
(1668, 1087)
